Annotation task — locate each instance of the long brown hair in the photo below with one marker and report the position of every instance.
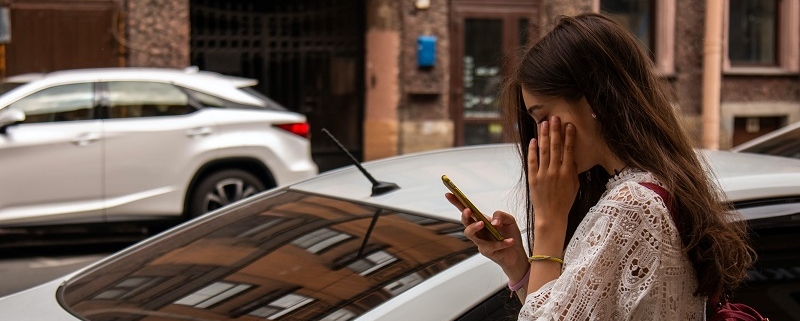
(591, 56)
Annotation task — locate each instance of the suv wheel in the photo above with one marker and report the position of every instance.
(222, 188)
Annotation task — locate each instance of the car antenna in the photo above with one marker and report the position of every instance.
(378, 188)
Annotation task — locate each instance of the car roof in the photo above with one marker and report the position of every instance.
(484, 173)
(24, 78)
(202, 81)
(487, 173)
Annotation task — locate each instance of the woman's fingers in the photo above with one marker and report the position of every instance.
(544, 146)
(569, 145)
(486, 247)
(556, 142)
(454, 200)
(533, 157)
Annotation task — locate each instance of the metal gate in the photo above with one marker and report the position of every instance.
(308, 55)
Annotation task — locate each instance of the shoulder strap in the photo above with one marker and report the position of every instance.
(666, 198)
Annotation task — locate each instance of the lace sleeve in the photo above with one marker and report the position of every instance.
(612, 261)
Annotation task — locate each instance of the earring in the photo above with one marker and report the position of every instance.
(594, 116)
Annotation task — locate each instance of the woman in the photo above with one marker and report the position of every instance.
(594, 123)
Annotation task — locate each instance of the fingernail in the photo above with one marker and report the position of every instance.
(495, 222)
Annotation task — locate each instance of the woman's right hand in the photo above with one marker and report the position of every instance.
(508, 253)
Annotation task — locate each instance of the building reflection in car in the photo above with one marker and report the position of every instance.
(291, 256)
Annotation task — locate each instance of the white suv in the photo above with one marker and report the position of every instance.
(136, 144)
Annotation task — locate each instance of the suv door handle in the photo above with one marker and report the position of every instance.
(198, 132)
(86, 139)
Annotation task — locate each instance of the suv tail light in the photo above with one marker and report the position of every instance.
(299, 129)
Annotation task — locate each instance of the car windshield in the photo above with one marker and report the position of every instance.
(786, 144)
(288, 256)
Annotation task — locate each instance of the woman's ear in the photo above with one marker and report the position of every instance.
(585, 104)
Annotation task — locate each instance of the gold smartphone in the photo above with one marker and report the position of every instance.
(465, 201)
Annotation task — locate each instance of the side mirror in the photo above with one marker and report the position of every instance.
(10, 117)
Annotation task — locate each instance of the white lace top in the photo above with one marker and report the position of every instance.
(624, 262)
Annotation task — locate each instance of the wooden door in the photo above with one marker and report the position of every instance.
(483, 33)
(48, 36)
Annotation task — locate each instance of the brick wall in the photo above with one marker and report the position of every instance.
(158, 33)
(425, 122)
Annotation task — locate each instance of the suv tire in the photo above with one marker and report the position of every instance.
(222, 188)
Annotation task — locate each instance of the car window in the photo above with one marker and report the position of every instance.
(271, 104)
(131, 99)
(206, 99)
(292, 256)
(786, 144)
(772, 286)
(59, 103)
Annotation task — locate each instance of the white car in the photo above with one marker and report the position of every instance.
(335, 248)
(138, 144)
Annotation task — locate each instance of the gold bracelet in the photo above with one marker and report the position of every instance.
(545, 257)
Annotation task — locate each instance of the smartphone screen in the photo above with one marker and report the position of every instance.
(465, 201)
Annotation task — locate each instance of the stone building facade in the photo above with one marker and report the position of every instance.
(157, 33)
(406, 108)
(753, 100)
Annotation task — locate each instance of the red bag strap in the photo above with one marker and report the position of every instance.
(666, 198)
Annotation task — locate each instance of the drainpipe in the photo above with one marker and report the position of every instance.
(712, 74)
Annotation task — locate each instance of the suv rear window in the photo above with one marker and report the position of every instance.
(289, 256)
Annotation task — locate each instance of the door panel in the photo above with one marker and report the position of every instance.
(153, 139)
(51, 172)
(51, 163)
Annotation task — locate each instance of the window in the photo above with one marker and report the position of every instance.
(131, 99)
(281, 306)
(127, 288)
(372, 262)
(762, 36)
(653, 22)
(320, 240)
(212, 294)
(340, 315)
(59, 103)
(403, 284)
(636, 15)
(752, 32)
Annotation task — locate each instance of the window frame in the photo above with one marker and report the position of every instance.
(787, 42)
(663, 35)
